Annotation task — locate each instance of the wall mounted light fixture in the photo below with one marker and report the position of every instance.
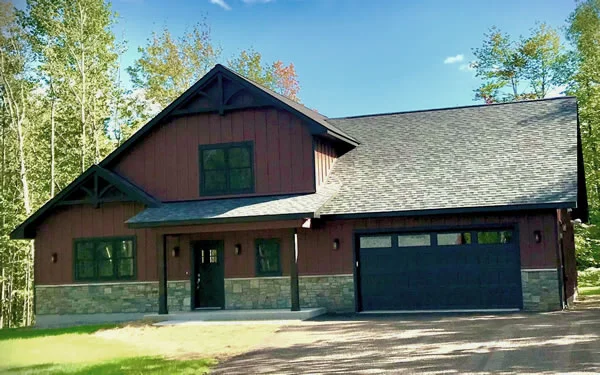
(54, 258)
(237, 249)
(537, 235)
(336, 244)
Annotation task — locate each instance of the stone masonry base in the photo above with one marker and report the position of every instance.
(107, 298)
(541, 290)
(333, 292)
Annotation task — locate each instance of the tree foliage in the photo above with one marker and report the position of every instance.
(277, 76)
(516, 69)
(169, 65)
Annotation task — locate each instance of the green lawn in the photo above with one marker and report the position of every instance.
(589, 291)
(129, 349)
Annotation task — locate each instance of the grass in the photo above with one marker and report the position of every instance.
(589, 291)
(126, 349)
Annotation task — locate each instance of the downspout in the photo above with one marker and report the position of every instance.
(561, 264)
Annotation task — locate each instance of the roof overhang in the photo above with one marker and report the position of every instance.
(452, 211)
(130, 192)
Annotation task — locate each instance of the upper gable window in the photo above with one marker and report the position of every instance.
(226, 168)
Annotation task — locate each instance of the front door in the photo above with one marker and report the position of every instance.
(208, 276)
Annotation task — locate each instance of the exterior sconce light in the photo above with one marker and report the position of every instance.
(237, 249)
(537, 235)
(175, 251)
(336, 244)
(54, 258)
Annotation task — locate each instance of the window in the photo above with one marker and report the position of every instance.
(410, 240)
(226, 169)
(444, 239)
(99, 259)
(375, 242)
(268, 261)
(494, 237)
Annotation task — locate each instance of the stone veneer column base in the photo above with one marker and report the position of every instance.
(541, 290)
(333, 292)
(108, 298)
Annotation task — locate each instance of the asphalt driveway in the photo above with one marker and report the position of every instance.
(558, 342)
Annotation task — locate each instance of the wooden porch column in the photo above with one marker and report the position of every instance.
(161, 248)
(294, 287)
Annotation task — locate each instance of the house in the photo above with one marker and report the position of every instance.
(235, 197)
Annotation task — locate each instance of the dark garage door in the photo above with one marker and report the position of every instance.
(474, 269)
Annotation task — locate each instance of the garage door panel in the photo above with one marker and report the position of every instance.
(462, 274)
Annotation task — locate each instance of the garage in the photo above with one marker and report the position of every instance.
(441, 270)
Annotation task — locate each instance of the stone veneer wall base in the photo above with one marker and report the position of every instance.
(333, 292)
(109, 298)
(541, 290)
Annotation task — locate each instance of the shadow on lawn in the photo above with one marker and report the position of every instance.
(136, 365)
(30, 332)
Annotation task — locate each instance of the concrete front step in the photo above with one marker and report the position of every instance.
(237, 315)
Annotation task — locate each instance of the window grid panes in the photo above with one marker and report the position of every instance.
(213, 256)
(104, 259)
(226, 169)
(413, 240)
(268, 261)
(458, 238)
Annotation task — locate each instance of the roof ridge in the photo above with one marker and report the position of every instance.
(452, 108)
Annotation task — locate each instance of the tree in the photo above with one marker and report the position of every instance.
(76, 49)
(275, 76)
(16, 86)
(528, 68)
(169, 66)
(584, 33)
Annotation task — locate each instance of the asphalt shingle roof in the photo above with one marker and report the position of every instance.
(517, 154)
(216, 210)
(522, 153)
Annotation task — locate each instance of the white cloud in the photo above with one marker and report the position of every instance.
(466, 67)
(557, 91)
(454, 59)
(221, 3)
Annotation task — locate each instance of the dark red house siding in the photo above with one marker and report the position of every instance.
(325, 156)
(57, 232)
(165, 162)
(316, 255)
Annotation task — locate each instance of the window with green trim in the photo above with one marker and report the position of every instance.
(268, 261)
(226, 168)
(105, 258)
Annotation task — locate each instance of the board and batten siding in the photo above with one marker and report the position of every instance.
(316, 255)
(57, 232)
(325, 156)
(166, 162)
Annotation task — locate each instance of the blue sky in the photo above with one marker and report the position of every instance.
(352, 57)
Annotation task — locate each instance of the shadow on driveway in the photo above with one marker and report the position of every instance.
(565, 341)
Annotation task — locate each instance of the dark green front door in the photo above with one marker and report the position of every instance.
(208, 274)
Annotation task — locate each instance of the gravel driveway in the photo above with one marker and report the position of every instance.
(558, 342)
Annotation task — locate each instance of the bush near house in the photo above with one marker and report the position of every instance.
(589, 277)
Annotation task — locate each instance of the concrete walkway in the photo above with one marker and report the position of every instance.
(558, 342)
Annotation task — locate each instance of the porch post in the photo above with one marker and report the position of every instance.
(294, 287)
(162, 273)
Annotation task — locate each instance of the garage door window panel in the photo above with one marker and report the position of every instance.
(414, 240)
(453, 239)
(376, 242)
(494, 237)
